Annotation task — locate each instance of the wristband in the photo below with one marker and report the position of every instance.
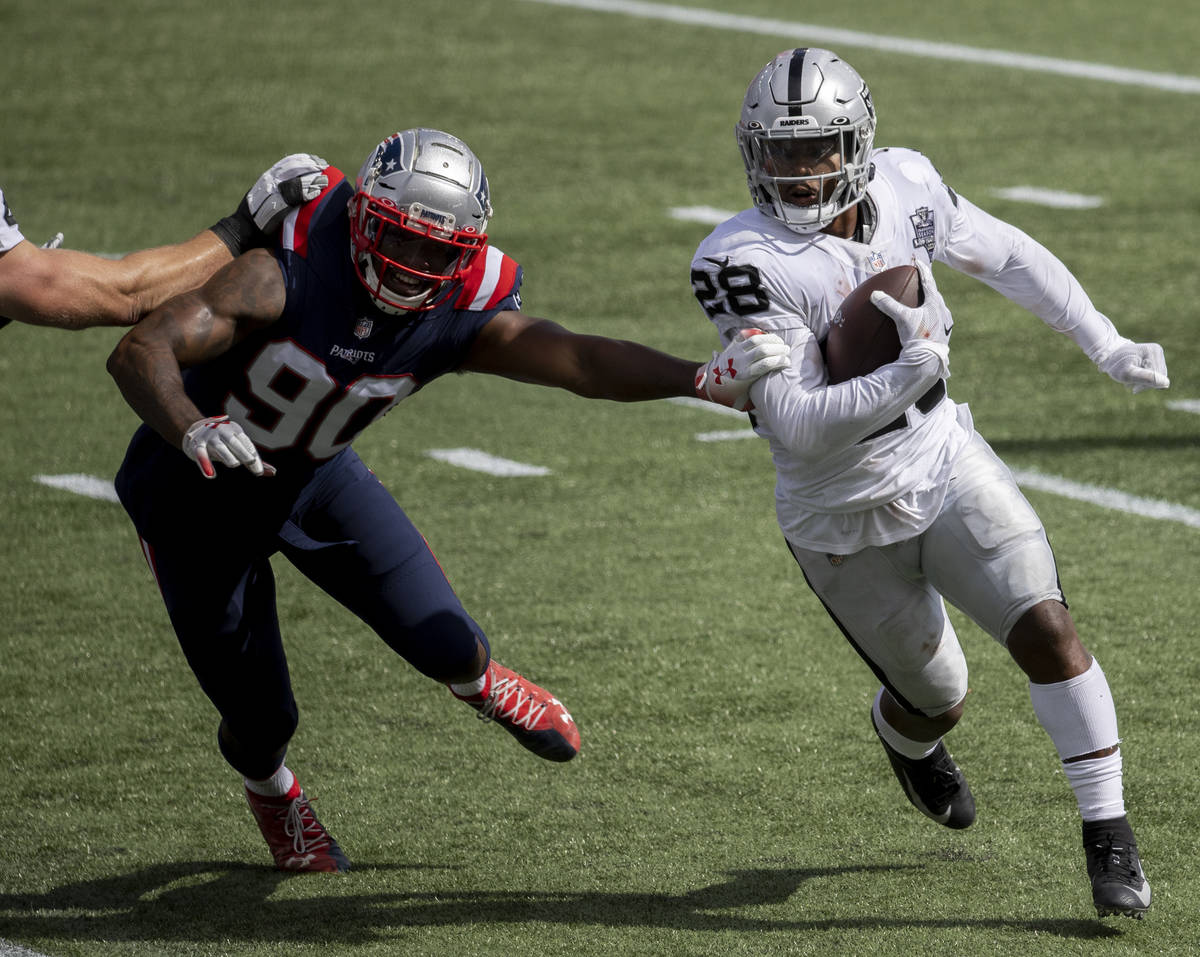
(237, 231)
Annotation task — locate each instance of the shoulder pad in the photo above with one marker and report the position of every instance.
(489, 280)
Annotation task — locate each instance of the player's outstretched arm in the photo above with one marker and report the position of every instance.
(534, 350)
(68, 289)
(191, 329)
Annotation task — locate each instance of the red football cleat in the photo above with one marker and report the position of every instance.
(530, 714)
(298, 841)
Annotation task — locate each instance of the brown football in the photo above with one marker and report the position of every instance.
(861, 338)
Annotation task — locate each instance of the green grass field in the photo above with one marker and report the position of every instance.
(730, 797)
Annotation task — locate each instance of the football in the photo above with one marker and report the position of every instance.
(861, 338)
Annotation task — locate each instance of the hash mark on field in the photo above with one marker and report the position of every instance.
(1184, 405)
(478, 461)
(88, 486)
(811, 34)
(709, 215)
(726, 435)
(1055, 199)
(9, 949)
(694, 403)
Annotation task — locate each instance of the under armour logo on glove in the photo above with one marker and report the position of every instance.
(717, 372)
(727, 377)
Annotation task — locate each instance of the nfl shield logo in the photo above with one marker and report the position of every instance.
(877, 261)
(363, 328)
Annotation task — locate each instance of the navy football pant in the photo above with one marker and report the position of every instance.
(350, 537)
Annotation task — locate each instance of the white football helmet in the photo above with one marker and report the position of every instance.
(804, 105)
(417, 219)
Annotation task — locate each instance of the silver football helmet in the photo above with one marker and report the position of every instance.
(802, 108)
(417, 219)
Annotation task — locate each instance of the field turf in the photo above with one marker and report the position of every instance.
(730, 798)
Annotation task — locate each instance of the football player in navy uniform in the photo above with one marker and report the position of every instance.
(49, 286)
(252, 389)
(888, 498)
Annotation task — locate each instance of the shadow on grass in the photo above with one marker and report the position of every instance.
(213, 901)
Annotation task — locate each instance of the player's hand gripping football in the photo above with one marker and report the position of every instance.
(218, 438)
(1138, 365)
(727, 377)
(929, 322)
(291, 182)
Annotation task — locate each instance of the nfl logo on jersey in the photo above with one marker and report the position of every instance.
(363, 328)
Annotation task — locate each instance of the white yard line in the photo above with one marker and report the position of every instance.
(811, 33)
(478, 461)
(1184, 405)
(1108, 498)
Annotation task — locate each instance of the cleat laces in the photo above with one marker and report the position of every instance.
(505, 701)
(306, 834)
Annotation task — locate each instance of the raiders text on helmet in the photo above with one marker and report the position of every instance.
(417, 219)
(808, 95)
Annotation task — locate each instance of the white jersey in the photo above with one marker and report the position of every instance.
(10, 232)
(866, 462)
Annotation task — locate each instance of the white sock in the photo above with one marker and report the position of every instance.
(1080, 718)
(277, 785)
(1097, 786)
(895, 740)
(472, 689)
(1078, 713)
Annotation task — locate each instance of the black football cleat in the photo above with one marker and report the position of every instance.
(934, 785)
(1118, 885)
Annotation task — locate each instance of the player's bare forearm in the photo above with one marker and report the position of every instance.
(630, 372)
(147, 369)
(542, 352)
(191, 329)
(68, 289)
(149, 278)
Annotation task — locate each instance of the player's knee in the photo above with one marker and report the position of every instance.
(446, 647)
(1045, 644)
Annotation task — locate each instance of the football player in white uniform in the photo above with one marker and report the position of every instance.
(889, 499)
(48, 286)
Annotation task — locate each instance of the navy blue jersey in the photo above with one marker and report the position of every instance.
(304, 387)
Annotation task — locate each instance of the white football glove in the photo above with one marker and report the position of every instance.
(219, 438)
(727, 377)
(929, 322)
(53, 243)
(1138, 365)
(291, 182)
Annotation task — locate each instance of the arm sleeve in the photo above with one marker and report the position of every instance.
(10, 232)
(814, 420)
(1023, 270)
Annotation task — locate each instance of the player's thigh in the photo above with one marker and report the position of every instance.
(355, 541)
(987, 551)
(894, 620)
